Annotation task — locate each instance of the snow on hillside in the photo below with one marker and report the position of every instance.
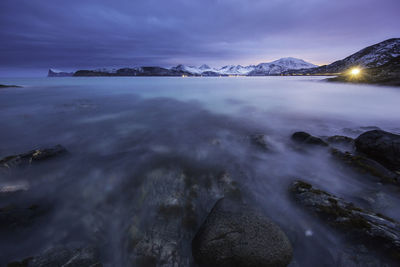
(376, 55)
(271, 68)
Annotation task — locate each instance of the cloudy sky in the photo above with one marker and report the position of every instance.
(68, 35)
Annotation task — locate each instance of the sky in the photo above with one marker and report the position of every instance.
(36, 35)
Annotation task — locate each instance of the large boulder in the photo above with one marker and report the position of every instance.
(235, 235)
(306, 138)
(377, 232)
(381, 146)
(166, 213)
(366, 166)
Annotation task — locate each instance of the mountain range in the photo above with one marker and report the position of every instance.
(370, 57)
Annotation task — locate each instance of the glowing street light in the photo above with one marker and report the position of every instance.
(355, 71)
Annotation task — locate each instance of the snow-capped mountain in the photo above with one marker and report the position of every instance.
(281, 65)
(372, 56)
(236, 69)
(190, 69)
(271, 68)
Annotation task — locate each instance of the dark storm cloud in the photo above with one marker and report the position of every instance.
(103, 33)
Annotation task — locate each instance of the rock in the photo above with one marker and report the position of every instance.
(306, 138)
(235, 235)
(377, 232)
(62, 256)
(168, 211)
(31, 157)
(259, 140)
(366, 166)
(381, 146)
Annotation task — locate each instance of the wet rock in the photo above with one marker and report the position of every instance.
(306, 138)
(168, 210)
(235, 235)
(375, 231)
(340, 139)
(259, 140)
(381, 146)
(31, 157)
(62, 257)
(366, 166)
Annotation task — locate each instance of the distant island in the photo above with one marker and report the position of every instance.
(9, 86)
(378, 64)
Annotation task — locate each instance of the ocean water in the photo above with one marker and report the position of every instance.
(118, 130)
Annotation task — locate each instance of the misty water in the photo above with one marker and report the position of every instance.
(129, 138)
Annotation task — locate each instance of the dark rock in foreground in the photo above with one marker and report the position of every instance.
(234, 235)
(167, 213)
(375, 231)
(306, 138)
(366, 166)
(62, 256)
(381, 146)
(31, 157)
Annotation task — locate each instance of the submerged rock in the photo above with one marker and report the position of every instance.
(14, 217)
(340, 139)
(259, 140)
(31, 157)
(306, 138)
(366, 166)
(62, 257)
(235, 235)
(381, 146)
(375, 231)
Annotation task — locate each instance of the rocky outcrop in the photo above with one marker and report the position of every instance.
(306, 138)
(381, 146)
(62, 256)
(377, 232)
(235, 235)
(366, 166)
(31, 157)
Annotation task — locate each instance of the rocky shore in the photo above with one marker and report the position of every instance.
(201, 217)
